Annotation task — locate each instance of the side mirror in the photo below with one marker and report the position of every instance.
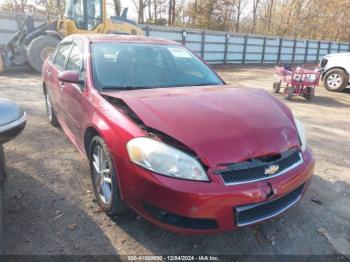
(70, 77)
(12, 120)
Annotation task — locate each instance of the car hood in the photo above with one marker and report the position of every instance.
(220, 123)
(337, 55)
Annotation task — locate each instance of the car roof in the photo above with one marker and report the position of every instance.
(115, 38)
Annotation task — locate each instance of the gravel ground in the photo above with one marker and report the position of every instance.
(49, 207)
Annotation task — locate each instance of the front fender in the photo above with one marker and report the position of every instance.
(332, 68)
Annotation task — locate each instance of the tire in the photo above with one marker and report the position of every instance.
(2, 167)
(276, 87)
(336, 80)
(39, 49)
(288, 92)
(107, 193)
(51, 115)
(309, 93)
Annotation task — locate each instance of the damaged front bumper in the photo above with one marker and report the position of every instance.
(192, 207)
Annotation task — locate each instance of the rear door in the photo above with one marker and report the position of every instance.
(56, 65)
(74, 95)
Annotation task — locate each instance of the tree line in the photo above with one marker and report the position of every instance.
(315, 19)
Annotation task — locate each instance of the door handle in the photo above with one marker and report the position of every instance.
(48, 73)
(61, 85)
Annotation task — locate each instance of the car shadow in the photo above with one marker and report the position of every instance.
(329, 102)
(346, 90)
(319, 100)
(21, 73)
(281, 235)
(35, 225)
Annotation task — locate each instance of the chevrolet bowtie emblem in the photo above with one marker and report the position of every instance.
(271, 170)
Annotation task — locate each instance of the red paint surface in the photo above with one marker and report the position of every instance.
(219, 123)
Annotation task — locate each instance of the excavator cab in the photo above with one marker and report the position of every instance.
(87, 15)
(82, 16)
(32, 45)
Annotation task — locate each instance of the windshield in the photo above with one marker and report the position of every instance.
(86, 14)
(133, 66)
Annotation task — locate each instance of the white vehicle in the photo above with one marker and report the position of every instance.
(335, 71)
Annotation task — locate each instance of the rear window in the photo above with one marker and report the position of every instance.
(132, 65)
(61, 56)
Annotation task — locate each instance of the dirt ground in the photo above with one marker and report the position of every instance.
(50, 208)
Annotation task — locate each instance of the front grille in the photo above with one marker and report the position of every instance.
(255, 169)
(250, 214)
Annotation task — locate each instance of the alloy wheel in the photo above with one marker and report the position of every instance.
(334, 81)
(48, 107)
(103, 179)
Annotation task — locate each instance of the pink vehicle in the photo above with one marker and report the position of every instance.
(299, 81)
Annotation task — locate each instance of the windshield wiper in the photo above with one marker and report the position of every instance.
(189, 85)
(124, 87)
(151, 87)
(205, 84)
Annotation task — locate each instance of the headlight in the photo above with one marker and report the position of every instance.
(301, 133)
(164, 159)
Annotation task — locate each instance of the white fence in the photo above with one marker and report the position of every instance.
(219, 47)
(225, 48)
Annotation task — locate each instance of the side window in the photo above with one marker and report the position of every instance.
(53, 54)
(61, 56)
(75, 59)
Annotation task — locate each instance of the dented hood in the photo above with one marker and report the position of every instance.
(220, 123)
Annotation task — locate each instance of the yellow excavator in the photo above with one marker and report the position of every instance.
(32, 45)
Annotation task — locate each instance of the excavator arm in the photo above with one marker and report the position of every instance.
(16, 52)
(31, 45)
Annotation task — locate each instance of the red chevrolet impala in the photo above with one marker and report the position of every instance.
(165, 136)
